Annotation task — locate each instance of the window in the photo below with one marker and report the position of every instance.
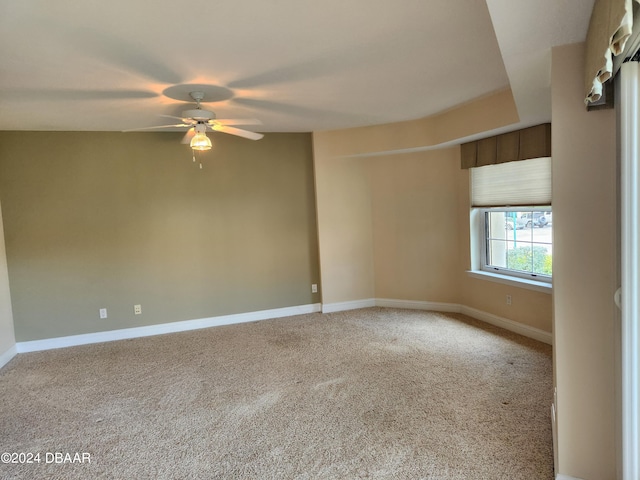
(518, 242)
(512, 222)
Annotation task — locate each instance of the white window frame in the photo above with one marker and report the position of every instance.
(505, 272)
(630, 262)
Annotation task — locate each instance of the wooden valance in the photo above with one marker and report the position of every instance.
(532, 142)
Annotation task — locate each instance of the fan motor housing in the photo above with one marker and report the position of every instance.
(199, 114)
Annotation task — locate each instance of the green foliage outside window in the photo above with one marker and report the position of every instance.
(530, 259)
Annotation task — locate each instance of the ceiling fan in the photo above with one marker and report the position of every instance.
(199, 121)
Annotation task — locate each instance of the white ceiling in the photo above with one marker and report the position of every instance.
(296, 65)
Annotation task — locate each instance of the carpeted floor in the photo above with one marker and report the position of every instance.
(373, 393)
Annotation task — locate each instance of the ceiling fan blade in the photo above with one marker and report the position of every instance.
(237, 131)
(180, 125)
(185, 120)
(237, 121)
(188, 136)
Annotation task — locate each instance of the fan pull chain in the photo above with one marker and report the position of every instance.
(194, 159)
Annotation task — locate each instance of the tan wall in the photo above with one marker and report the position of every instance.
(111, 220)
(529, 307)
(584, 214)
(415, 225)
(344, 226)
(7, 337)
(484, 114)
(397, 225)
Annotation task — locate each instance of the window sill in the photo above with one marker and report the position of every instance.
(543, 287)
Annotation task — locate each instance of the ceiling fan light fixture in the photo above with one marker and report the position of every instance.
(200, 142)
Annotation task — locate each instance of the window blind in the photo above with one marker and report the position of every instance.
(527, 182)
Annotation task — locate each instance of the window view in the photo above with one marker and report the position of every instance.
(519, 242)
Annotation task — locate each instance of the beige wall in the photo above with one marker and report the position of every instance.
(344, 227)
(396, 225)
(484, 114)
(584, 211)
(528, 307)
(111, 220)
(415, 225)
(7, 337)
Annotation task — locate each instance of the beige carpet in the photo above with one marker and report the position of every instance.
(373, 393)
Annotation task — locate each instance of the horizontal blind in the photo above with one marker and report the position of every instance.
(527, 182)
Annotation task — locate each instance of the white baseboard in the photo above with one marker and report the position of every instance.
(111, 335)
(510, 325)
(351, 305)
(418, 305)
(108, 336)
(490, 318)
(7, 356)
(566, 477)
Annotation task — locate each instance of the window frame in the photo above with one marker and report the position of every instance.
(483, 232)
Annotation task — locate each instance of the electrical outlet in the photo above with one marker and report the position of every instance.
(508, 299)
(314, 288)
(137, 309)
(103, 313)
